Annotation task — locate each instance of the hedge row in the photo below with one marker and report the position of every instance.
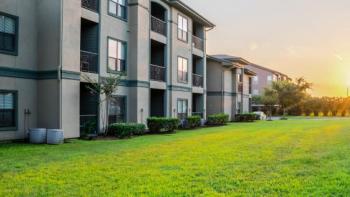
(246, 117)
(125, 130)
(217, 119)
(191, 122)
(162, 125)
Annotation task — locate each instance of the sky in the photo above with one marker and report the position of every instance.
(301, 38)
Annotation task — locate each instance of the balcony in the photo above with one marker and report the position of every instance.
(198, 43)
(157, 73)
(92, 5)
(182, 116)
(197, 80)
(158, 26)
(88, 61)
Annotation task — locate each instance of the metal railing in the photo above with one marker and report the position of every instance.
(117, 65)
(197, 80)
(88, 62)
(88, 124)
(198, 43)
(182, 116)
(158, 25)
(90, 4)
(157, 73)
(198, 114)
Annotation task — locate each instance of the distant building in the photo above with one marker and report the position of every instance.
(228, 85)
(263, 79)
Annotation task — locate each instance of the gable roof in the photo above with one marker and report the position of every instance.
(191, 12)
(231, 58)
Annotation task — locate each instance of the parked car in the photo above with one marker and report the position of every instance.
(262, 115)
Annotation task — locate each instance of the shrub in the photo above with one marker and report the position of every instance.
(162, 125)
(330, 114)
(320, 114)
(246, 117)
(193, 122)
(312, 114)
(125, 130)
(217, 119)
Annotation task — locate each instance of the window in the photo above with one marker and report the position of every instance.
(8, 109)
(182, 28)
(182, 67)
(240, 78)
(256, 79)
(117, 110)
(269, 78)
(182, 108)
(8, 34)
(116, 55)
(255, 92)
(118, 8)
(239, 104)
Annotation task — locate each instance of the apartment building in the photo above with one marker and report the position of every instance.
(228, 85)
(48, 47)
(264, 78)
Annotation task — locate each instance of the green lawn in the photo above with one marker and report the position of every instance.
(294, 157)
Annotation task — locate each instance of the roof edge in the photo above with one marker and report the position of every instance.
(195, 14)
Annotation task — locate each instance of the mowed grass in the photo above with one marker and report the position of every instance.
(292, 158)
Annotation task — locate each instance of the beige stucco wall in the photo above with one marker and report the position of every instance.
(26, 90)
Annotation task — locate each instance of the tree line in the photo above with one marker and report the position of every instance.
(292, 98)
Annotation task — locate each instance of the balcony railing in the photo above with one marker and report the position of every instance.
(198, 43)
(182, 116)
(157, 73)
(88, 61)
(158, 25)
(197, 114)
(197, 80)
(90, 4)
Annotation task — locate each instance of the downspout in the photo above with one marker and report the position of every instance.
(170, 64)
(204, 110)
(222, 91)
(59, 70)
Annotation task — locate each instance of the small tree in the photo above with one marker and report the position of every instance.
(269, 99)
(105, 89)
(291, 94)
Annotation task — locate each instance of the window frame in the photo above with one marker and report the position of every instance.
(15, 95)
(125, 54)
(187, 32)
(177, 107)
(16, 18)
(187, 73)
(125, 107)
(116, 15)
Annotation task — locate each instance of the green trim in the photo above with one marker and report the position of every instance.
(135, 83)
(70, 75)
(15, 93)
(179, 88)
(37, 75)
(213, 93)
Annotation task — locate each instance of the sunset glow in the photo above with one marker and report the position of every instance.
(297, 37)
